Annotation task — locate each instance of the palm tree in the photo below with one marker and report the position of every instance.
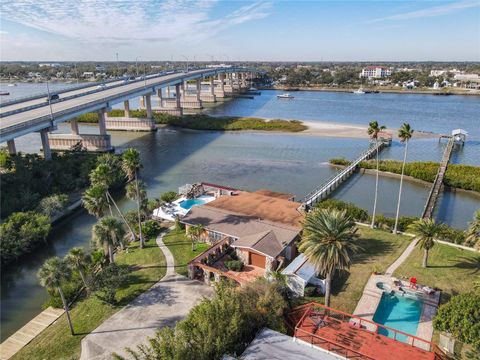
(194, 232)
(51, 274)
(405, 134)
(107, 233)
(104, 176)
(373, 130)
(94, 200)
(130, 165)
(328, 242)
(132, 195)
(78, 260)
(426, 230)
(472, 237)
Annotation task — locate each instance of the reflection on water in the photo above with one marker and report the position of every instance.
(288, 163)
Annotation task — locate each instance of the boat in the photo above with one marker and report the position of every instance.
(12, 84)
(359, 91)
(285, 96)
(4, 93)
(253, 89)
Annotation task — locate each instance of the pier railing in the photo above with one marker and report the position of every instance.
(332, 182)
(437, 183)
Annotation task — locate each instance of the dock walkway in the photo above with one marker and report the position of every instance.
(321, 192)
(28, 332)
(438, 182)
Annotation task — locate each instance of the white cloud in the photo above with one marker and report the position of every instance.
(125, 21)
(432, 11)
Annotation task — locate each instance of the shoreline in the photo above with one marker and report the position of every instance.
(464, 92)
(314, 128)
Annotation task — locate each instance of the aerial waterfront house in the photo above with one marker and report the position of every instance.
(260, 227)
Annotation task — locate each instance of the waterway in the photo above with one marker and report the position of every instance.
(281, 162)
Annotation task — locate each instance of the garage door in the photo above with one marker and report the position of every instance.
(257, 260)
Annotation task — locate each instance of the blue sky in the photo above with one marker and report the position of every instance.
(240, 30)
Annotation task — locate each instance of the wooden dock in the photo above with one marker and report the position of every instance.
(331, 184)
(438, 182)
(27, 333)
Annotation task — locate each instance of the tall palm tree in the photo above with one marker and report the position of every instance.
(51, 274)
(426, 230)
(108, 233)
(473, 233)
(405, 133)
(94, 200)
(78, 260)
(373, 130)
(142, 192)
(130, 165)
(195, 232)
(104, 176)
(328, 242)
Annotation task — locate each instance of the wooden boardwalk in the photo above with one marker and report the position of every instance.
(28, 332)
(438, 182)
(330, 185)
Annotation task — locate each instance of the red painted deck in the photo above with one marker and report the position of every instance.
(331, 330)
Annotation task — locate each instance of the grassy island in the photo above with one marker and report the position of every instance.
(466, 177)
(207, 122)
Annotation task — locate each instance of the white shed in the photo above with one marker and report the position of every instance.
(299, 273)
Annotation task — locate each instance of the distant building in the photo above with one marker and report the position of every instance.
(436, 85)
(99, 68)
(467, 77)
(435, 73)
(54, 65)
(88, 74)
(375, 72)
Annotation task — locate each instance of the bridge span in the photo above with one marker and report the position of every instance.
(37, 114)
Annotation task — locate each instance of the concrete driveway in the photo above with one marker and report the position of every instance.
(165, 303)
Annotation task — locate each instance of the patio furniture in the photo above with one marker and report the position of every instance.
(428, 290)
(413, 282)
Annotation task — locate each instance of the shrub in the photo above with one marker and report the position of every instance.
(461, 317)
(311, 291)
(356, 213)
(53, 205)
(234, 265)
(340, 161)
(150, 228)
(106, 282)
(169, 196)
(450, 234)
(20, 233)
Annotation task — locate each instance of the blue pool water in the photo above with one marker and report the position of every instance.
(398, 312)
(187, 204)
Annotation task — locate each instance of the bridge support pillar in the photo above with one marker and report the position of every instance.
(178, 98)
(198, 85)
(126, 106)
(74, 126)
(168, 91)
(11, 147)
(160, 97)
(47, 152)
(101, 122)
(212, 87)
(148, 105)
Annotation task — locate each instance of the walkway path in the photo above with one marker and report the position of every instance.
(28, 332)
(406, 253)
(167, 302)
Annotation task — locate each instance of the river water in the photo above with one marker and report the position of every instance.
(282, 162)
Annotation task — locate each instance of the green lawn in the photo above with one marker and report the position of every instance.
(380, 249)
(450, 269)
(56, 342)
(181, 247)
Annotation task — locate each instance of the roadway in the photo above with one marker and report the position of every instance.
(40, 117)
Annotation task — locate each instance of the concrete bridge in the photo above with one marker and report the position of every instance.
(37, 114)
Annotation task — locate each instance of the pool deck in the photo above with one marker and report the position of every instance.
(175, 209)
(370, 299)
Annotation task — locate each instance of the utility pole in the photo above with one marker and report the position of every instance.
(118, 71)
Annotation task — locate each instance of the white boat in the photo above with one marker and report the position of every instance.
(253, 89)
(285, 96)
(359, 91)
(13, 84)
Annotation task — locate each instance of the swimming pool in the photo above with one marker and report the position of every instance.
(187, 204)
(398, 312)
